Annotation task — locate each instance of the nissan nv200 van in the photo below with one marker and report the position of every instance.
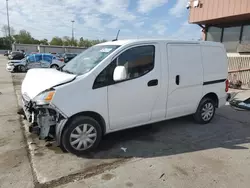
(123, 84)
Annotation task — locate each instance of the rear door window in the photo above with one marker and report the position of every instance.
(31, 58)
(38, 57)
(47, 58)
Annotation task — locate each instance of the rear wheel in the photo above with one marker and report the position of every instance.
(205, 111)
(81, 135)
(54, 66)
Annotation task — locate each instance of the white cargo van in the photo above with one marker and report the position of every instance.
(123, 84)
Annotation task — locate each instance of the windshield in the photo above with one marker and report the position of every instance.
(88, 59)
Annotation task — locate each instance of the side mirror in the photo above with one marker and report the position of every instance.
(120, 73)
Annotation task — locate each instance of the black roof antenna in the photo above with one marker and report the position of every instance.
(116, 36)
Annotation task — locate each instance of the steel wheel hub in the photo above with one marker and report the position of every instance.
(207, 111)
(83, 137)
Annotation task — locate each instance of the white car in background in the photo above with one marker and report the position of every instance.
(34, 61)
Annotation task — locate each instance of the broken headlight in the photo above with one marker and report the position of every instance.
(44, 97)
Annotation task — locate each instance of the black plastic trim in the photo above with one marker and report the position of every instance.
(214, 81)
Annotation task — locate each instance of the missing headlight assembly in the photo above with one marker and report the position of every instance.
(43, 119)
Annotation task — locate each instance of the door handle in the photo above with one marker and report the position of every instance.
(153, 83)
(177, 79)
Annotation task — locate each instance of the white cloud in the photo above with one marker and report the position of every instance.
(139, 24)
(179, 8)
(160, 27)
(116, 8)
(187, 32)
(45, 19)
(94, 19)
(126, 30)
(114, 24)
(145, 6)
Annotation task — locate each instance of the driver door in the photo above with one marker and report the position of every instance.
(131, 101)
(46, 61)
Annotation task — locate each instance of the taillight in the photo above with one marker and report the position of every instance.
(227, 85)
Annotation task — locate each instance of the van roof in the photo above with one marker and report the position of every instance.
(123, 42)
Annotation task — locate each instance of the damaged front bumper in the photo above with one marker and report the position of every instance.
(10, 68)
(46, 120)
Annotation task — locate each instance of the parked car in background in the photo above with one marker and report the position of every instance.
(68, 56)
(123, 84)
(6, 53)
(16, 65)
(34, 61)
(16, 55)
(59, 56)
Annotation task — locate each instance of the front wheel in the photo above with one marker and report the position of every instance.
(81, 135)
(205, 111)
(21, 68)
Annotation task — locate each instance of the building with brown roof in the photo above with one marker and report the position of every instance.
(226, 21)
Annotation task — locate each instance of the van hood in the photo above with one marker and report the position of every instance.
(40, 79)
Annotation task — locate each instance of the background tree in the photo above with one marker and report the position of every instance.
(87, 43)
(24, 37)
(5, 42)
(6, 32)
(44, 42)
(74, 42)
(66, 41)
(56, 41)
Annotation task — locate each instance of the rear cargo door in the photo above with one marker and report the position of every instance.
(185, 79)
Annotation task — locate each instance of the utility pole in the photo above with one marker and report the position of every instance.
(72, 31)
(8, 20)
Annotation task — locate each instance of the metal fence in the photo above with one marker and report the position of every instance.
(28, 48)
(239, 68)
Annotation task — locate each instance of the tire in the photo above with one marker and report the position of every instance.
(205, 111)
(21, 68)
(54, 66)
(72, 135)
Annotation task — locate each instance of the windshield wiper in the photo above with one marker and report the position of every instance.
(67, 71)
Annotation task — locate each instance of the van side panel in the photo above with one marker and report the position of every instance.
(78, 96)
(215, 65)
(185, 61)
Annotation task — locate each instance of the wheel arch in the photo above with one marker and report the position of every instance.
(60, 129)
(213, 96)
(54, 64)
(96, 116)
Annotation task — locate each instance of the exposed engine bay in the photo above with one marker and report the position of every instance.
(45, 120)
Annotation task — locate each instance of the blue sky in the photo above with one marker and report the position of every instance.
(100, 19)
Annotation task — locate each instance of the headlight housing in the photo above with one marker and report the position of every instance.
(44, 97)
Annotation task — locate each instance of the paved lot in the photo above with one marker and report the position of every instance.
(175, 153)
(15, 169)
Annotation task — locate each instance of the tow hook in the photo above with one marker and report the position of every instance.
(33, 128)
